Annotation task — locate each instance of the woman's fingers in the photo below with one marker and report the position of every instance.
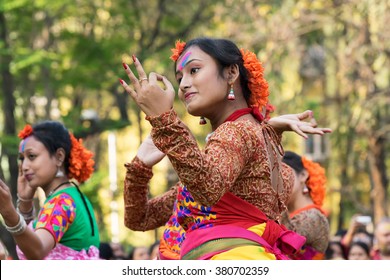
(299, 131)
(306, 114)
(128, 89)
(140, 70)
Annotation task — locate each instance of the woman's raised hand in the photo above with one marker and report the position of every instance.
(297, 123)
(148, 153)
(146, 91)
(5, 198)
(25, 192)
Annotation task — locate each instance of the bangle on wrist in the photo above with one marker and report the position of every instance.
(19, 228)
(24, 199)
(29, 215)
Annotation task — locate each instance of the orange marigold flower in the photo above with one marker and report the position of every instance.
(257, 83)
(25, 132)
(81, 164)
(176, 52)
(316, 182)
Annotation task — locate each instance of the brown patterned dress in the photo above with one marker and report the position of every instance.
(242, 157)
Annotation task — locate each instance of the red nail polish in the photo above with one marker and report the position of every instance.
(121, 81)
(133, 57)
(124, 65)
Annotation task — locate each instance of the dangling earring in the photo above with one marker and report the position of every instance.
(231, 95)
(59, 173)
(305, 190)
(202, 121)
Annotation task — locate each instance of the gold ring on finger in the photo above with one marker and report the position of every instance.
(143, 79)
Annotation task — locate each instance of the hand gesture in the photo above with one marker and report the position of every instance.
(148, 153)
(25, 192)
(5, 198)
(152, 99)
(296, 123)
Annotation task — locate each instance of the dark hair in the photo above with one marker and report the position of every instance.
(53, 135)
(105, 251)
(361, 244)
(364, 231)
(329, 251)
(225, 53)
(294, 161)
(151, 247)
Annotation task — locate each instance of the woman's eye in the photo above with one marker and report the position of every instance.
(31, 156)
(194, 70)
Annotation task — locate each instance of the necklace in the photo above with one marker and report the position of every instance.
(59, 186)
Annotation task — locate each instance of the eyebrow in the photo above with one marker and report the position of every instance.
(182, 66)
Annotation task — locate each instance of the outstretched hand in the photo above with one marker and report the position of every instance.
(5, 198)
(148, 153)
(146, 91)
(296, 123)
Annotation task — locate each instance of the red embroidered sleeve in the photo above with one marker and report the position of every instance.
(142, 214)
(210, 173)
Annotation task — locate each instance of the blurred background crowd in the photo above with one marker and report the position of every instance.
(61, 61)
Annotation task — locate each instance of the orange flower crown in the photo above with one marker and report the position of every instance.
(257, 83)
(80, 160)
(316, 182)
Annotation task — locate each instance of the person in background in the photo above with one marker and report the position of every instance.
(231, 193)
(382, 240)
(65, 228)
(357, 231)
(305, 214)
(118, 251)
(335, 251)
(359, 250)
(105, 251)
(139, 253)
(154, 250)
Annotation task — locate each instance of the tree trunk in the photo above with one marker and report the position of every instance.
(376, 159)
(9, 123)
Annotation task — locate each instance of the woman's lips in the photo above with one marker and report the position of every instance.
(188, 95)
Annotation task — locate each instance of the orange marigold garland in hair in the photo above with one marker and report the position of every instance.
(257, 83)
(316, 182)
(176, 52)
(80, 161)
(25, 132)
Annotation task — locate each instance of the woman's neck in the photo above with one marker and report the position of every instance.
(300, 202)
(57, 185)
(229, 112)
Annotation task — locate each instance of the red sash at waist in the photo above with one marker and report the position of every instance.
(234, 216)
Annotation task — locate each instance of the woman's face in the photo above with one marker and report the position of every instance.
(337, 252)
(357, 253)
(141, 253)
(201, 87)
(299, 182)
(39, 168)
